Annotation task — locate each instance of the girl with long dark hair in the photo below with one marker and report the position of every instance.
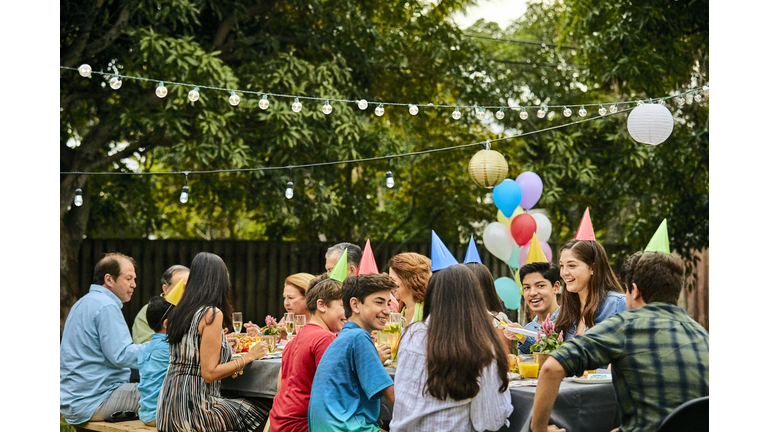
(190, 398)
(452, 370)
(492, 301)
(592, 292)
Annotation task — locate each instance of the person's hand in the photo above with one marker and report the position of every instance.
(554, 428)
(251, 329)
(233, 342)
(385, 352)
(256, 352)
(514, 336)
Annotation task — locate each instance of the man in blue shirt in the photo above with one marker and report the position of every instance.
(96, 348)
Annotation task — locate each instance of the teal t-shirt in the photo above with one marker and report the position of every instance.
(348, 383)
(153, 364)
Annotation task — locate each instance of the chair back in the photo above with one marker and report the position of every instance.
(691, 416)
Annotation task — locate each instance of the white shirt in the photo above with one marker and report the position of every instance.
(414, 410)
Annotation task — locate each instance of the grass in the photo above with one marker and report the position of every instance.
(64, 426)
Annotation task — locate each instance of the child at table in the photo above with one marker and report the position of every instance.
(153, 359)
(540, 284)
(302, 355)
(350, 378)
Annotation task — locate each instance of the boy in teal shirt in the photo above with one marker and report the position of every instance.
(350, 378)
(153, 359)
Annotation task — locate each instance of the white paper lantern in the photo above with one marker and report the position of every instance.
(650, 124)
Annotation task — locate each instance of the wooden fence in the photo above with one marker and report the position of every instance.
(258, 269)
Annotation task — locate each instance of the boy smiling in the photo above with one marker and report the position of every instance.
(540, 281)
(350, 378)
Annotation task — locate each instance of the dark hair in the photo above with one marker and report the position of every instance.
(109, 264)
(547, 269)
(208, 287)
(168, 274)
(658, 276)
(487, 287)
(414, 271)
(361, 286)
(600, 283)
(157, 310)
(354, 253)
(461, 341)
(322, 288)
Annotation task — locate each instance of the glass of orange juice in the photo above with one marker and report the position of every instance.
(528, 366)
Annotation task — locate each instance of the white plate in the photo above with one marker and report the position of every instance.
(521, 331)
(590, 381)
(513, 376)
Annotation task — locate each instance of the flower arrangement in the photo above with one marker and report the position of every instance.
(546, 340)
(271, 327)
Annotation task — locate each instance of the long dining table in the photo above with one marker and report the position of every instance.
(578, 408)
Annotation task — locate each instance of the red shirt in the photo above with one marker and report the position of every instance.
(300, 359)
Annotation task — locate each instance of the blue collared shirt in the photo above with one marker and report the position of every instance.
(609, 306)
(96, 354)
(524, 347)
(153, 365)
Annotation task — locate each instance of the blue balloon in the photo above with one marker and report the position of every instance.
(507, 196)
(507, 289)
(514, 259)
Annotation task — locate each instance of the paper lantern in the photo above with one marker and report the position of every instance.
(650, 124)
(488, 168)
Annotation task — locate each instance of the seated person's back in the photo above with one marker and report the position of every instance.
(154, 358)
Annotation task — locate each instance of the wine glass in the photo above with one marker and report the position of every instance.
(301, 321)
(237, 322)
(288, 320)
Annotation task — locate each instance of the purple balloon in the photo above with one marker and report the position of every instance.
(531, 185)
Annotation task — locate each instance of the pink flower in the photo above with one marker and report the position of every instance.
(560, 337)
(271, 322)
(538, 336)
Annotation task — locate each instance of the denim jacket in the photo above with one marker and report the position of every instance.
(612, 304)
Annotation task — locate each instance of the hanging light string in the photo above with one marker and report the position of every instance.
(363, 102)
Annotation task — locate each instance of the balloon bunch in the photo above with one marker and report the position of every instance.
(509, 239)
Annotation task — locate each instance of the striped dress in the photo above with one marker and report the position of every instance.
(187, 403)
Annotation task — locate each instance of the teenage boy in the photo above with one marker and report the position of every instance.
(541, 283)
(350, 378)
(153, 359)
(659, 356)
(302, 355)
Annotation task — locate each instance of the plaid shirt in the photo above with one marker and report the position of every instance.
(659, 358)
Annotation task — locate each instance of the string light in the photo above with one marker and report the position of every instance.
(78, 196)
(379, 111)
(184, 190)
(115, 82)
(413, 109)
(327, 108)
(456, 114)
(296, 106)
(541, 112)
(234, 99)
(614, 108)
(85, 70)
(567, 112)
(523, 114)
(500, 114)
(602, 111)
(640, 103)
(362, 104)
(582, 111)
(697, 97)
(194, 94)
(161, 91)
(264, 102)
(680, 100)
(390, 182)
(289, 190)
(480, 113)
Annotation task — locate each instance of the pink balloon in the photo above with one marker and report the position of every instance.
(544, 246)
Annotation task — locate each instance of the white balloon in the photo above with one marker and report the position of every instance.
(498, 240)
(543, 226)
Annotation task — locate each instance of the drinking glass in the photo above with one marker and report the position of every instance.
(393, 330)
(301, 321)
(288, 320)
(528, 366)
(237, 322)
(271, 341)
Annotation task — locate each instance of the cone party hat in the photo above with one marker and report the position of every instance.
(536, 253)
(367, 263)
(339, 271)
(660, 240)
(472, 255)
(441, 257)
(174, 295)
(585, 231)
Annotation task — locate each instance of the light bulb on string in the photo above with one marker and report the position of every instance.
(234, 99)
(479, 113)
(327, 108)
(456, 114)
(524, 114)
(194, 94)
(390, 180)
(85, 70)
(362, 104)
(582, 111)
(614, 108)
(379, 111)
(289, 190)
(296, 106)
(662, 102)
(541, 112)
(264, 102)
(161, 91)
(78, 197)
(413, 109)
(689, 98)
(602, 111)
(184, 194)
(680, 100)
(567, 112)
(500, 114)
(115, 82)
(697, 97)
(640, 103)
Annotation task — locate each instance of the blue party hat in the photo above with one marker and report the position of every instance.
(441, 257)
(472, 255)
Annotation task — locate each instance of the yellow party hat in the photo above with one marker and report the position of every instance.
(174, 295)
(536, 253)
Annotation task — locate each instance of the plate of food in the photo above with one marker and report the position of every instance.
(518, 330)
(592, 379)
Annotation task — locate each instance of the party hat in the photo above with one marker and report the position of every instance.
(174, 295)
(536, 253)
(517, 281)
(660, 241)
(441, 257)
(367, 263)
(472, 255)
(339, 271)
(585, 231)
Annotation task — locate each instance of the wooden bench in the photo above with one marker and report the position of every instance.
(126, 426)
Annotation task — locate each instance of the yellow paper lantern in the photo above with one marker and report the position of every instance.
(488, 168)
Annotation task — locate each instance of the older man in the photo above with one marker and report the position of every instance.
(96, 351)
(354, 253)
(141, 330)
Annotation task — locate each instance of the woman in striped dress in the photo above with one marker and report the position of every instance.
(190, 398)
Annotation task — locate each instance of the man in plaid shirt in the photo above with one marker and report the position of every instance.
(659, 356)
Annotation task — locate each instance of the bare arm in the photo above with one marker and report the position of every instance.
(546, 393)
(389, 394)
(210, 348)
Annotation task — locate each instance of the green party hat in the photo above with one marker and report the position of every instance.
(339, 271)
(660, 241)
